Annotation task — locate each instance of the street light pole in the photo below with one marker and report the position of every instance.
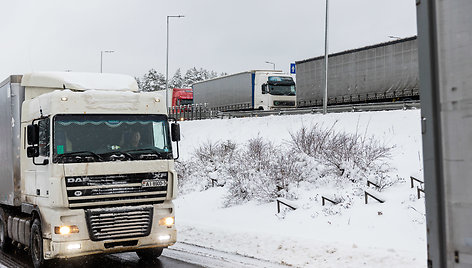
(273, 64)
(101, 58)
(167, 59)
(325, 98)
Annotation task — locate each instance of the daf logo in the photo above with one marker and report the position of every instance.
(77, 180)
(78, 193)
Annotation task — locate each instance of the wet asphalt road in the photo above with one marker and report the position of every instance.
(20, 258)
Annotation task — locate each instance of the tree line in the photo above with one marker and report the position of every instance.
(153, 80)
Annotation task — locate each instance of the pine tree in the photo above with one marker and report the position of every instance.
(177, 81)
(153, 81)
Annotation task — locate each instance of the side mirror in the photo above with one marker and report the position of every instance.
(32, 132)
(32, 151)
(264, 89)
(175, 132)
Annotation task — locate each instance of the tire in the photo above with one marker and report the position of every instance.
(5, 241)
(149, 254)
(36, 242)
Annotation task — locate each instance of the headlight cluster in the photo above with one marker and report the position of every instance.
(65, 230)
(167, 221)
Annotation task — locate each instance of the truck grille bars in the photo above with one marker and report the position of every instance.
(90, 191)
(117, 223)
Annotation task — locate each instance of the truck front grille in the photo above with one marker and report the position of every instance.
(102, 190)
(119, 222)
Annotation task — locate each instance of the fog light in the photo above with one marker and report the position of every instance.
(73, 246)
(65, 230)
(157, 99)
(167, 221)
(64, 99)
(163, 237)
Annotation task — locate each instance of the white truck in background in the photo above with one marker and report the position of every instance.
(87, 166)
(258, 89)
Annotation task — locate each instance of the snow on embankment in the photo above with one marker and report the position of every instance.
(352, 235)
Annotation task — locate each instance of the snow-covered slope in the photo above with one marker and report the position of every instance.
(372, 235)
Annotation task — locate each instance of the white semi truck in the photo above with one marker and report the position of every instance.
(259, 89)
(87, 166)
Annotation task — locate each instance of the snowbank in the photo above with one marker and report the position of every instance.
(373, 235)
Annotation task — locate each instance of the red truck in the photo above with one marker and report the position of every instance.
(182, 96)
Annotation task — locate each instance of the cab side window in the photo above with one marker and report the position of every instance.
(44, 139)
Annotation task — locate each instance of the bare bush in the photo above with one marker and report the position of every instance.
(264, 173)
(213, 159)
(345, 155)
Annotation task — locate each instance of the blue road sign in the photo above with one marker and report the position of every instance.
(292, 68)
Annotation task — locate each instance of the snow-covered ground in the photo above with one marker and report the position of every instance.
(372, 235)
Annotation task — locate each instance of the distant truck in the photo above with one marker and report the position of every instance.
(259, 89)
(182, 96)
(87, 166)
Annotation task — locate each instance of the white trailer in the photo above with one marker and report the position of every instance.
(75, 177)
(264, 90)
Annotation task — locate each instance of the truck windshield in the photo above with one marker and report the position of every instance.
(95, 138)
(287, 90)
(185, 101)
(281, 85)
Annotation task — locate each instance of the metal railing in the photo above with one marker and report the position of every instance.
(202, 111)
(324, 199)
(366, 197)
(284, 202)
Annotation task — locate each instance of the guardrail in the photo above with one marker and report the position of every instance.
(413, 179)
(323, 199)
(366, 195)
(202, 111)
(369, 183)
(285, 202)
(419, 191)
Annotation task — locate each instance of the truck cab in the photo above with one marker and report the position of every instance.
(96, 168)
(274, 90)
(182, 96)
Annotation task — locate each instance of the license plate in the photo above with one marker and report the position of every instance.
(153, 183)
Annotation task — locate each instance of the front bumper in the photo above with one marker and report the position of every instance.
(71, 249)
(83, 243)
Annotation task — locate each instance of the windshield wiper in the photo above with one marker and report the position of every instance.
(80, 154)
(162, 155)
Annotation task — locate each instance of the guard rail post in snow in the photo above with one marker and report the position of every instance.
(419, 191)
(213, 181)
(366, 195)
(412, 179)
(284, 202)
(193, 111)
(369, 183)
(323, 199)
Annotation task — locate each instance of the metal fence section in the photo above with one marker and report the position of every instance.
(202, 111)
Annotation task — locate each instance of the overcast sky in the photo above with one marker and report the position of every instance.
(220, 35)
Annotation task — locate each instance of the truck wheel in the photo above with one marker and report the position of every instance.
(149, 254)
(5, 241)
(37, 253)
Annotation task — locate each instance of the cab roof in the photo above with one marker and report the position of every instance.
(80, 81)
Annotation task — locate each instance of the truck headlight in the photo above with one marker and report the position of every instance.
(65, 230)
(167, 221)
